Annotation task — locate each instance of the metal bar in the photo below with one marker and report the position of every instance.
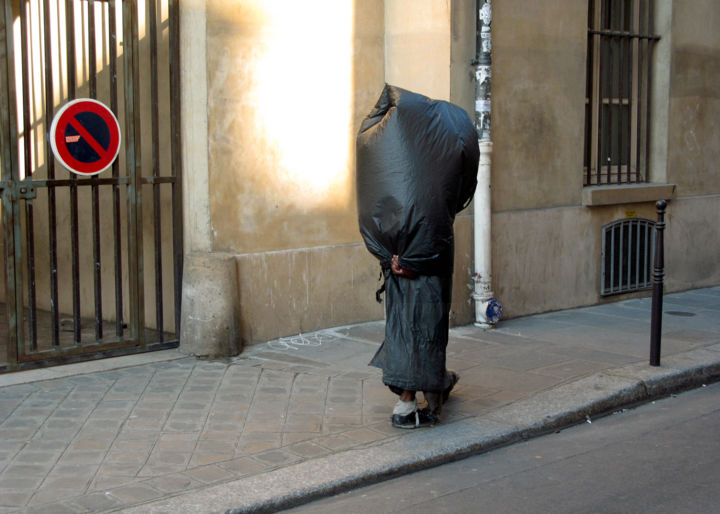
(612, 259)
(158, 180)
(117, 239)
(74, 229)
(176, 161)
(52, 207)
(86, 352)
(642, 46)
(610, 129)
(621, 256)
(600, 83)
(32, 298)
(8, 151)
(156, 165)
(92, 51)
(638, 247)
(621, 94)
(28, 167)
(646, 258)
(628, 35)
(658, 275)
(58, 182)
(648, 63)
(629, 250)
(95, 193)
(589, 88)
(133, 162)
(603, 260)
(634, 109)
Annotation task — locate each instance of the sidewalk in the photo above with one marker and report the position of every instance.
(303, 417)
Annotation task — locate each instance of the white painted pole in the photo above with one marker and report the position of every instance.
(487, 309)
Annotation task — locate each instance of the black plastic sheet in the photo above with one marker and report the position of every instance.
(417, 162)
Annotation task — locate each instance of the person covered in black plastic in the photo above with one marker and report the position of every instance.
(417, 164)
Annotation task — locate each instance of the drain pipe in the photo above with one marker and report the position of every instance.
(487, 309)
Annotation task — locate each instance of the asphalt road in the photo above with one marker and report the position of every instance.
(662, 457)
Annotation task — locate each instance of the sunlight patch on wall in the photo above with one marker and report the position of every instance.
(302, 91)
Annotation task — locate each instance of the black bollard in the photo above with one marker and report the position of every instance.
(658, 274)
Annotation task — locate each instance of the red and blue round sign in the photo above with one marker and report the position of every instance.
(85, 136)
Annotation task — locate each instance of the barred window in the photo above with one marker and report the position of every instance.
(627, 256)
(620, 43)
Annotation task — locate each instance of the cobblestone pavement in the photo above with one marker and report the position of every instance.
(106, 440)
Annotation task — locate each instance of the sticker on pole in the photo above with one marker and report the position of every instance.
(85, 136)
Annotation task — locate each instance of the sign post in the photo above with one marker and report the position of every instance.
(85, 136)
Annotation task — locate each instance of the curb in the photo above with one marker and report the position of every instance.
(551, 410)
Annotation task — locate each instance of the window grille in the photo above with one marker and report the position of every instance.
(627, 256)
(620, 43)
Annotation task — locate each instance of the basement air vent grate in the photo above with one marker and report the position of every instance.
(627, 256)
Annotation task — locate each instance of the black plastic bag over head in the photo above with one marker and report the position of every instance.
(417, 162)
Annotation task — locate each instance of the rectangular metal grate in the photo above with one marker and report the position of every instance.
(627, 256)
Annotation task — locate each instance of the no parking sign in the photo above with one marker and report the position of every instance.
(85, 136)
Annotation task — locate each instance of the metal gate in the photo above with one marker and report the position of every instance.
(93, 263)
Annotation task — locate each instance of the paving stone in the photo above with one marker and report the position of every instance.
(9, 482)
(295, 437)
(336, 442)
(364, 435)
(215, 445)
(204, 458)
(176, 446)
(82, 457)
(133, 445)
(276, 457)
(58, 489)
(17, 434)
(226, 431)
(307, 449)
(255, 447)
(209, 474)
(183, 426)
(135, 493)
(30, 456)
(169, 458)
(104, 483)
(94, 502)
(90, 444)
(54, 508)
(15, 497)
(344, 420)
(172, 483)
(243, 466)
(126, 457)
(52, 445)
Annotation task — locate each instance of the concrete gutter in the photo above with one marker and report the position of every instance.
(548, 411)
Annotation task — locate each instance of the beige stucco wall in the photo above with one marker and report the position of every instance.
(286, 94)
(284, 98)
(538, 95)
(283, 109)
(693, 150)
(546, 245)
(417, 46)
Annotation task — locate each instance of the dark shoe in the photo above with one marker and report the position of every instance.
(454, 379)
(417, 419)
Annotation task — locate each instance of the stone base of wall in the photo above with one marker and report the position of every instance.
(210, 318)
(297, 291)
(550, 259)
